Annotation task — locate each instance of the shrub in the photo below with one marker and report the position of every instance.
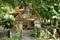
(37, 31)
(8, 21)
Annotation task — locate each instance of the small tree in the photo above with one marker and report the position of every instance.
(7, 22)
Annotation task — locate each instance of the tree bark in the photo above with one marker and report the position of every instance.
(55, 29)
(8, 33)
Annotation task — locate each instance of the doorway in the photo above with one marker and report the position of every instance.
(28, 25)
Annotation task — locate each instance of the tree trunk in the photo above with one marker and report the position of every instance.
(8, 33)
(55, 29)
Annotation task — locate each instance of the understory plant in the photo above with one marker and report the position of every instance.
(37, 31)
(7, 21)
(15, 37)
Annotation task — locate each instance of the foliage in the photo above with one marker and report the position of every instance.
(37, 31)
(10, 2)
(45, 8)
(58, 31)
(15, 37)
(9, 17)
(53, 26)
(8, 21)
(48, 32)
